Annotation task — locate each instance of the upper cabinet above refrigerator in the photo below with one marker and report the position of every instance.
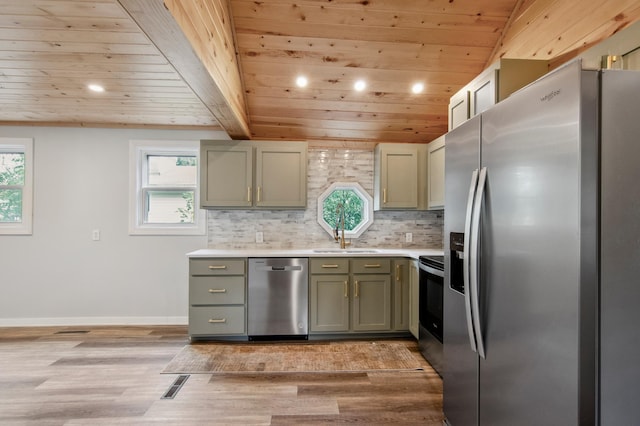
(495, 84)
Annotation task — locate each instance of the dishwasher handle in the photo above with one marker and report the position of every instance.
(287, 268)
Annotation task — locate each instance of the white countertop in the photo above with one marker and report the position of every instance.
(319, 252)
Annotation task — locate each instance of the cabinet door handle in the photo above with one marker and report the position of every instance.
(259, 193)
(372, 265)
(217, 321)
(346, 289)
(328, 265)
(357, 288)
(217, 266)
(384, 196)
(248, 194)
(217, 290)
(399, 279)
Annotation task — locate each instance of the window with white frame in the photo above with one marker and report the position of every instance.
(16, 185)
(164, 188)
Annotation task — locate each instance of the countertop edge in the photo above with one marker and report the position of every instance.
(412, 253)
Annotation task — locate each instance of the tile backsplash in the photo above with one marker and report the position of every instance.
(299, 229)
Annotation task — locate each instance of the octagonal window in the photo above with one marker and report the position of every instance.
(348, 201)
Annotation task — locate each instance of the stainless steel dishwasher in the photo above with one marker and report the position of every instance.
(277, 300)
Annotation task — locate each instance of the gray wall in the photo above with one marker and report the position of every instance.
(59, 275)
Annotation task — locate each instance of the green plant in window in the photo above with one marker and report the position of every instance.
(12, 176)
(187, 213)
(353, 208)
(186, 161)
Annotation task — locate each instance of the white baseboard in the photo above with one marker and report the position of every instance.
(88, 321)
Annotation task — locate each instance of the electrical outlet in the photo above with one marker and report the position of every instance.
(408, 237)
(259, 237)
(95, 235)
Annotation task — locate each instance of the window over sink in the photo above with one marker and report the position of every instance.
(346, 201)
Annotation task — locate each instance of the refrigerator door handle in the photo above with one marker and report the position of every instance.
(465, 259)
(473, 261)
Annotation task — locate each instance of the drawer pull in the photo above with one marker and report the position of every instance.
(326, 265)
(217, 266)
(217, 321)
(217, 290)
(372, 265)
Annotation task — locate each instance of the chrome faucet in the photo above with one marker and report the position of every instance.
(339, 237)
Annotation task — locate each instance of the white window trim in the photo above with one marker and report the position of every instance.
(24, 145)
(138, 150)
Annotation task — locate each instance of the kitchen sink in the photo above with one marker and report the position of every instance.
(345, 251)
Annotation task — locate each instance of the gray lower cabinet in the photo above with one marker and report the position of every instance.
(371, 303)
(414, 297)
(329, 295)
(217, 297)
(358, 295)
(346, 295)
(401, 294)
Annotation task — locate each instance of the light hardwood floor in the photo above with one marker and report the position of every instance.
(112, 376)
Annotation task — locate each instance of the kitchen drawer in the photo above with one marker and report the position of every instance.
(218, 290)
(371, 266)
(332, 265)
(217, 266)
(212, 320)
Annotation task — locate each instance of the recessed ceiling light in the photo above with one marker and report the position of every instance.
(302, 81)
(417, 88)
(96, 88)
(360, 85)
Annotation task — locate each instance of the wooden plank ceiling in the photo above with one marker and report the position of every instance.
(234, 63)
(50, 50)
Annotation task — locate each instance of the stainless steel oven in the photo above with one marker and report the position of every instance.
(431, 309)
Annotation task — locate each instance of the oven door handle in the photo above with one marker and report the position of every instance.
(465, 260)
(432, 271)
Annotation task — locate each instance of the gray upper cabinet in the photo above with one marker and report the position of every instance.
(435, 179)
(246, 174)
(400, 176)
(281, 175)
(226, 174)
(494, 84)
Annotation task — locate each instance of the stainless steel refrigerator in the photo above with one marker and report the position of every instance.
(542, 255)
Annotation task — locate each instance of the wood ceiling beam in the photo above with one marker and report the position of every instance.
(196, 65)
